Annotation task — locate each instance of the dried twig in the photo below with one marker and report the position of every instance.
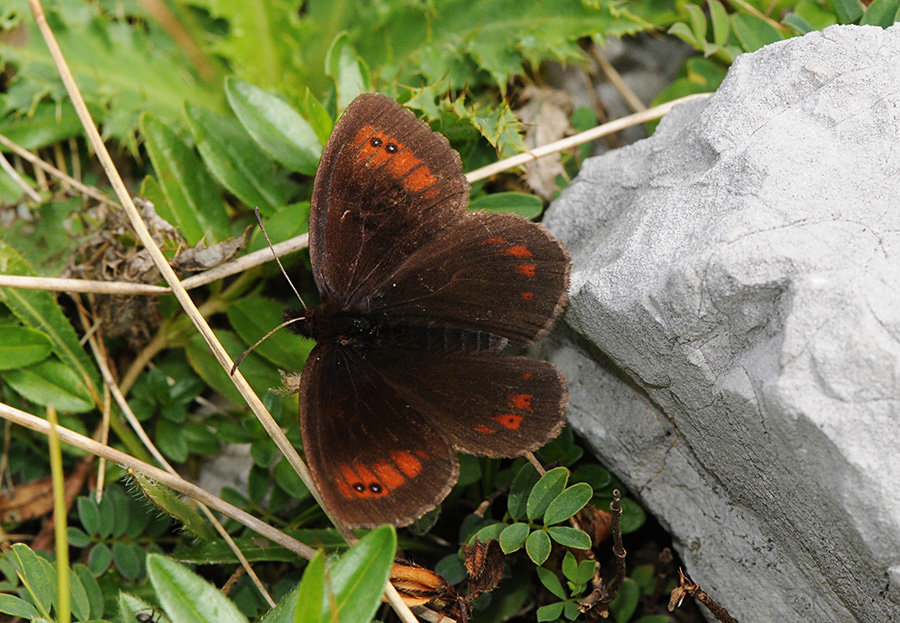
(689, 587)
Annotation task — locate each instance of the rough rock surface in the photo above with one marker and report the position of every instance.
(733, 348)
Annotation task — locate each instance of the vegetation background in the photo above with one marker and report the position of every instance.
(212, 108)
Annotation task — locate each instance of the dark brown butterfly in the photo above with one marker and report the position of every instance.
(419, 298)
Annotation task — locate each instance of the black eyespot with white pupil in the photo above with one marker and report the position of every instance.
(375, 142)
(375, 487)
(391, 148)
(359, 487)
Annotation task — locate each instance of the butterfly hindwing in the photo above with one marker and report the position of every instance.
(480, 403)
(372, 458)
(386, 184)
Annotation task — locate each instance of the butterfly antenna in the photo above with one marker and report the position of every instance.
(261, 340)
(275, 255)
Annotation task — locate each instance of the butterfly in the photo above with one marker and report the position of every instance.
(418, 301)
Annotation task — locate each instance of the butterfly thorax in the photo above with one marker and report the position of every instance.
(330, 324)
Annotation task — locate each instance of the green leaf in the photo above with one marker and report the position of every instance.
(545, 491)
(595, 475)
(51, 383)
(513, 537)
(537, 545)
(21, 346)
(129, 559)
(797, 23)
(130, 606)
(312, 595)
(697, 18)
(753, 32)
(567, 503)
(275, 126)
(520, 489)
(188, 598)
(13, 606)
(882, 13)
(349, 72)
(88, 514)
(550, 612)
(570, 567)
(359, 577)
(287, 479)
(526, 206)
(551, 582)
(92, 590)
(684, 32)
(170, 441)
(254, 316)
(235, 159)
(78, 598)
(488, 533)
(40, 311)
(260, 374)
(99, 559)
(192, 202)
(570, 537)
(848, 11)
(625, 604)
(719, 17)
(37, 575)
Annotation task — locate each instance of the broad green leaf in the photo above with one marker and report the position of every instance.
(313, 594)
(526, 206)
(260, 374)
(359, 577)
(545, 491)
(848, 11)
(235, 159)
(570, 537)
(99, 559)
(287, 479)
(275, 126)
(170, 441)
(551, 581)
(684, 32)
(188, 598)
(21, 346)
(487, 533)
(254, 316)
(753, 32)
(15, 607)
(37, 575)
(698, 21)
(129, 559)
(167, 501)
(884, 13)
(192, 203)
(625, 604)
(595, 475)
(520, 489)
(49, 123)
(568, 503)
(88, 514)
(78, 598)
(318, 117)
(40, 311)
(815, 14)
(350, 74)
(719, 17)
(513, 537)
(537, 545)
(130, 606)
(51, 383)
(550, 612)
(569, 567)
(797, 23)
(92, 591)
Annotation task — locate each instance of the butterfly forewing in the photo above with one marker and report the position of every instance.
(385, 185)
(491, 273)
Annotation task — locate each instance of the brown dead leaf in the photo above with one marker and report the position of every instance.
(545, 117)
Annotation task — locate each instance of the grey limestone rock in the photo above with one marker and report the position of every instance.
(733, 341)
